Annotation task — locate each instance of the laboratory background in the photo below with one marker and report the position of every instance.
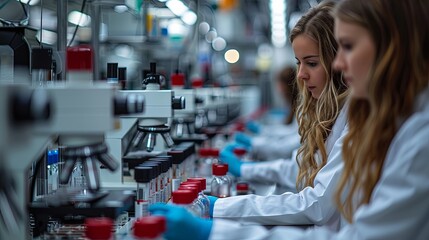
(110, 106)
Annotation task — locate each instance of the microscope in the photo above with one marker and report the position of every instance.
(183, 129)
(82, 111)
(144, 133)
(160, 106)
(21, 109)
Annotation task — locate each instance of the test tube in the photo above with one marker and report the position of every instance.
(143, 177)
(165, 165)
(156, 180)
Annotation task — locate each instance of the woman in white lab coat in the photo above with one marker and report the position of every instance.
(322, 125)
(384, 55)
(282, 138)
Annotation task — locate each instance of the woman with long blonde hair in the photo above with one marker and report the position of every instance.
(321, 116)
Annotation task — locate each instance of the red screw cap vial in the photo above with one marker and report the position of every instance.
(201, 180)
(197, 83)
(149, 227)
(178, 79)
(215, 152)
(205, 152)
(183, 197)
(79, 58)
(220, 169)
(98, 228)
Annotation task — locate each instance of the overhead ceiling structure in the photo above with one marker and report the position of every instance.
(256, 13)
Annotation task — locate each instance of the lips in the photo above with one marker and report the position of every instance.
(311, 88)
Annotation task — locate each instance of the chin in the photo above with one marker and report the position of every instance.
(315, 96)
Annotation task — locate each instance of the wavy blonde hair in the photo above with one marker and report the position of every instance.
(401, 40)
(317, 116)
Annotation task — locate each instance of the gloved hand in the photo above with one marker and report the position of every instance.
(243, 139)
(212, 200)
(181, 224)
(234, 163)
(234, 145)
(253, 127)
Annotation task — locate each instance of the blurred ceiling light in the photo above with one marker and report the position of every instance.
(177, 7)
(29, 2)
(78, 18)
(124, 50)
(46, 37)
(120, 8)
(278, 22)
(211, 35)
(232, 56)
(219, 44)
(189, 17)
(176, 27)
(203, 28)
(161, 12)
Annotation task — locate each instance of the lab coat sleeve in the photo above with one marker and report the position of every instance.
(228, 230)
(282, 171)
(268, 148)
(312, 205)
(398, 209)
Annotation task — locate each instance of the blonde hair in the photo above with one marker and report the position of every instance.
(317, 116)
(399, 74)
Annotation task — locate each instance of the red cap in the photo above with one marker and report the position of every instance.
(183, 197)
(177, 79)
(215, 152)
(242, 186)
(190, 183)
(197, 83)
(79, 58)
(220, 169)
(205, 152)
(201, 180)
(239, 127)
(240, 151)
(194, 188)
(98, 228)
(149, 227)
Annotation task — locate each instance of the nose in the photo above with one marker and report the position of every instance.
(338, 63)
(302, 73)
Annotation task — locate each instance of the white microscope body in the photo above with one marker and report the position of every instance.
(147, 131)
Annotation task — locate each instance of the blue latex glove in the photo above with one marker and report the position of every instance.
(181, 224)
(234, 163)
(234, 145)
(212, 200)
(253, 127)
(243, 139)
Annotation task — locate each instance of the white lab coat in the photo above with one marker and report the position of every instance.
(276, 142)
(312, 205)
(277, 130)
(399, 206)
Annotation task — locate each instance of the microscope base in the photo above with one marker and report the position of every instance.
(112, 205)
